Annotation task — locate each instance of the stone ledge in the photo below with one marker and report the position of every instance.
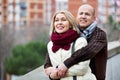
(38, 74)
(113, 48)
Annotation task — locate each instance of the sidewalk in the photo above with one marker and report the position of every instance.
(113, 48)
(37, 74)
(113, 66)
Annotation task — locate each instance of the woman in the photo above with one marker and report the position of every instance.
(64, 32)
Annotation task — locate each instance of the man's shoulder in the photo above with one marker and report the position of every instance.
(100, 30)
(99, 33)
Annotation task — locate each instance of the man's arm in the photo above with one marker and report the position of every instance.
(96, 43)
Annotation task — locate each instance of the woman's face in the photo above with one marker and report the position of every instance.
(61, 24)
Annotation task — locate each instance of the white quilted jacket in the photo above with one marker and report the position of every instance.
(81, 70)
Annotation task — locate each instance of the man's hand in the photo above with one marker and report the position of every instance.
(62, 70)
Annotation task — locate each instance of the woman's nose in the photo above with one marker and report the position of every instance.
(59, 21)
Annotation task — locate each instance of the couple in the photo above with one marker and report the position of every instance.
(88, 60)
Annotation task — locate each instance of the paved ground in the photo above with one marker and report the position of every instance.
(37, 74)
(113, 68)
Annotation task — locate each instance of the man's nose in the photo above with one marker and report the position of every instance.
(83, 16)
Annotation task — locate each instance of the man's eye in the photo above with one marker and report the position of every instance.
(56, 19)
(87, 14)
(80, 13)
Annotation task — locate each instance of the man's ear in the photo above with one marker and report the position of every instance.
(94, 18)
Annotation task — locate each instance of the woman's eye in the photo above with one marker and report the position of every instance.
(63, 19)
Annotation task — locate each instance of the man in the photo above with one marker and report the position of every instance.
(96, 50)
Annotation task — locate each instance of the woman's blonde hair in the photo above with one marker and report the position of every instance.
(69, 17)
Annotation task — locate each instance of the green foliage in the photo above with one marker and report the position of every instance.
(110, 19)
(39, 47)
(25, 58)
(112, 22)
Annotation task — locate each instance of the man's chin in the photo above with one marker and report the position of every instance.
(83, 27)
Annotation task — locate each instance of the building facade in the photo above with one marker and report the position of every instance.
(0, 13)
(41, 11)
(108, 8)
(4, 13)
(51, 6)
(73, 5)
(34, 11)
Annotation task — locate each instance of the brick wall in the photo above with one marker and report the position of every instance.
(73, 5)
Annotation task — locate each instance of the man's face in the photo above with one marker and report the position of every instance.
(85, 16)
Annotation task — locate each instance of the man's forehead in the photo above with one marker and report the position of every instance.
(85, 10)
(86, 7)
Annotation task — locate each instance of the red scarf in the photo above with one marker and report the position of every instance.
(63, 40)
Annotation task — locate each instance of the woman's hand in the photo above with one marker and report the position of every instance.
(49, 70)
(56, 73)
(52, 72)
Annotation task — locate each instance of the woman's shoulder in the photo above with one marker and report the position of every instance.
(50, 43)
(81, 39)
(80, 42)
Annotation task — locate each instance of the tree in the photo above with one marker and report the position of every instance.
(25, 58)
